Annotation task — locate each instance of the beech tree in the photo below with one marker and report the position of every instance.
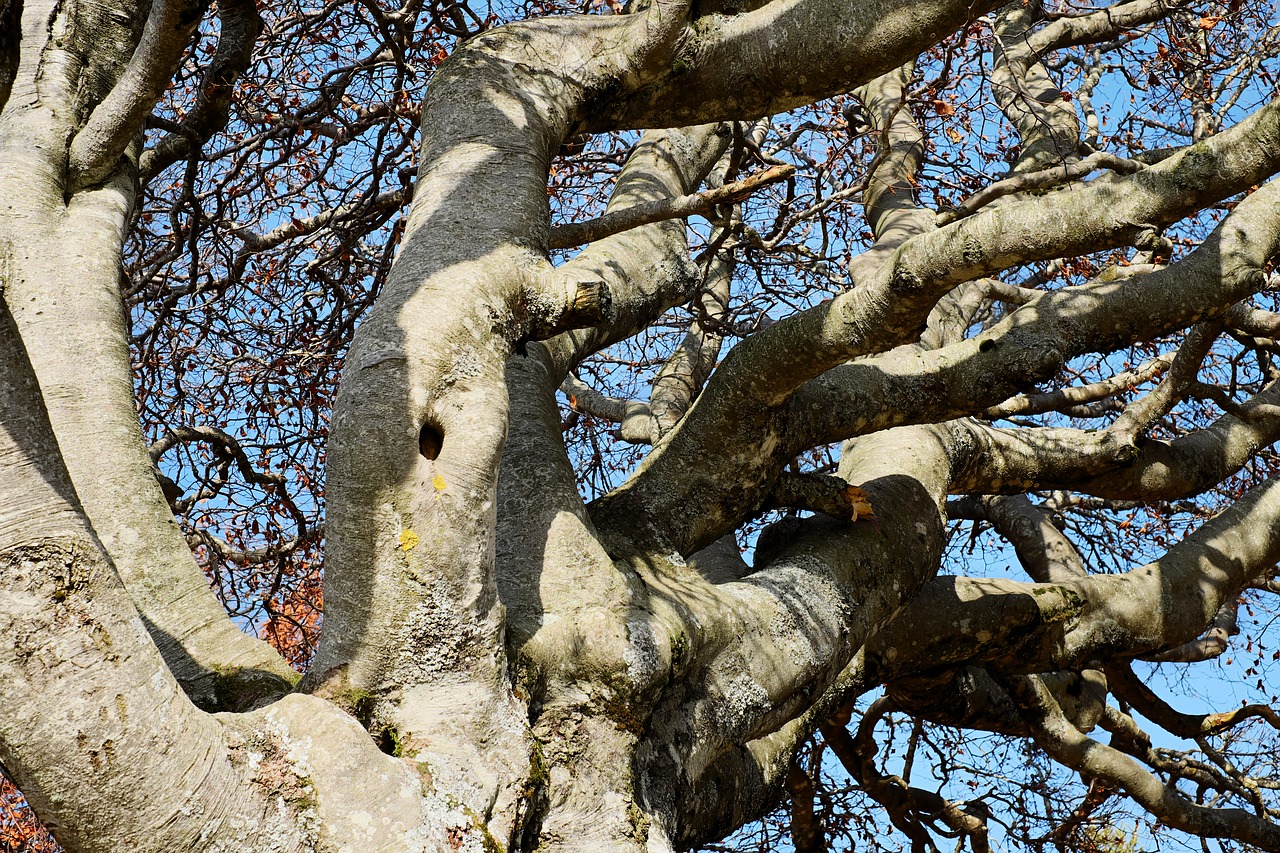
(647, 396)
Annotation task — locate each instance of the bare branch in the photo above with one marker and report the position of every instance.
(1091, 27)
(681, 377)
(1125, 684)
(912, 810)
(1067, 745)
(890, 196)
(807, 833)
(697, 204)
(736, 408)
(636, 423)
(1143, 413)
(381, 205)
(1065, 398)
(239, 28)
(226, 445)
(1043, 550)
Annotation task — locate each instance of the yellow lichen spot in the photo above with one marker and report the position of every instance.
(408, 539)
(439, 484)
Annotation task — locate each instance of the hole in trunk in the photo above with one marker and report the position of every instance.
(389, 741)
(430, 441)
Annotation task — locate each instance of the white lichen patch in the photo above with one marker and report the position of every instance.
(641, 653)
(743, 699)
(279, 769)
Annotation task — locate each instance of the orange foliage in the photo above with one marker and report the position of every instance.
(20, 830)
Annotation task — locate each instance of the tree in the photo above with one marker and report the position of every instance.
(646, 458)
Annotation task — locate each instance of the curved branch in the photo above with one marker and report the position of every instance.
(1130, 688)
(890, 197)
(1047, 124)
(381, 205)
(647, 270)
(117, 120)
(1043, 550)
(75, 634)
(807, 832)
(227, 445)
(238, 31)
(1143, 413)
(1068, 746)
(71, 322)
(683, 374)
(583, 398)
(817, 49)
(742, 430)
(910, 808)
(1019, 627)
(1101, 25)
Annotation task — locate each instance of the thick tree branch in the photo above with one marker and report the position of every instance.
(889, 199)
(1253, 321)
(740, 411)
(1041, 628)
(1047, 555)
(646, 270)
(1047, 125)
(830, 496)
(681, 377)
(583, 398)
(63, 276)
(1101, 25)
(1143, 413)
(827, 565)
(807, 833)
(122, 756)
(818, 48)
(381, 205)
(117, 120)
(1212, 643)
(74, 634)
(562, 590)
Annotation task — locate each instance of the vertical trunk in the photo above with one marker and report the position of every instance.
(62, 257)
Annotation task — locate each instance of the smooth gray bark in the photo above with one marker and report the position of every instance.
(553, 675)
